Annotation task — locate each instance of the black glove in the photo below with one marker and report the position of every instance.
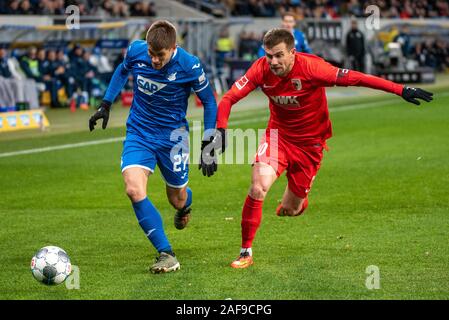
(412, 94)
(208, 158)
(102, 113)
(221, 139)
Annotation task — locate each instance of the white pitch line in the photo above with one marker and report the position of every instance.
(60, 147)
(358, 106)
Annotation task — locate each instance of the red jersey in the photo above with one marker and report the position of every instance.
(298, 104)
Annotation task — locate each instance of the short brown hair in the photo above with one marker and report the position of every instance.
(288, 14)
(161, 35)
(276, 36)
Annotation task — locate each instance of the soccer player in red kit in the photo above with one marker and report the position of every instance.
(298, 126)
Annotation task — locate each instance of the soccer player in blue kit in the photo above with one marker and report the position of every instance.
(157, 130)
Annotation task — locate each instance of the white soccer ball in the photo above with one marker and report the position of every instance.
(51, 265)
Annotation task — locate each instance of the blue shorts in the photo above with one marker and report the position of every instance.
(167, 148)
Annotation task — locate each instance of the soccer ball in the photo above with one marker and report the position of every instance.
(51, 265)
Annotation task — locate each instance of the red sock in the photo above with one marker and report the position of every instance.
(251, 218)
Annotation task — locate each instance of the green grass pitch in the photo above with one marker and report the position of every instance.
(380, 198)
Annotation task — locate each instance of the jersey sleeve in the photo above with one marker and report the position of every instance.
(324, 74)
(240, 89)
(128, 60)
(200, 81)
(321, 73)
(347, 77)
(201, 86)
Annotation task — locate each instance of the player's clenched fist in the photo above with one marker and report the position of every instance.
(102, 113)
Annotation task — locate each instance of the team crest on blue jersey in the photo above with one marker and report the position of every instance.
(148, 86)
(172, 77)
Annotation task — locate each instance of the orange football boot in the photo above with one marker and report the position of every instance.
(243, 261)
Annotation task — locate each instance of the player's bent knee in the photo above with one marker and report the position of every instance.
(135, 194)
(258, 191)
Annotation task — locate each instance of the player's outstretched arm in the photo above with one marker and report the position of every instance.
(323, 73)
(102, 113)
(354, 78)
(413, 94)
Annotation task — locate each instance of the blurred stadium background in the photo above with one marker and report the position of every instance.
(381, 199)
(62, 67)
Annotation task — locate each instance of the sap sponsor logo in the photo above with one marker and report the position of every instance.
(12, 121)
(241, 83)
(196, 66)
(285, 100)
(148, 86)
(141, 64)
(25, 119)
(172, 77)
(202, 78)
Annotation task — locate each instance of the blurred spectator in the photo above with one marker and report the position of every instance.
(330, 9)
(103, 8)
(17, 89)
(63, 72)
(355, 47)
(142, 9)
(26, 8)
(404, 39)
(262, 8)
(52, 73)
(102, 65)
(5, 70)
(433, 54)
(224, 47)
(249, 44)
(30, 65)
(289, 23)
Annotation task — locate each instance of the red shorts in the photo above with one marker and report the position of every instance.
(301, 162)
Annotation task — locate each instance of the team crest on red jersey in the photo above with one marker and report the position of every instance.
(297, 84)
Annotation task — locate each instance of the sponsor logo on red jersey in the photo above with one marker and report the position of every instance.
(285, 100)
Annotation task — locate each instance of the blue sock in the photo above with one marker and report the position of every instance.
(151, 222)
(189, 198)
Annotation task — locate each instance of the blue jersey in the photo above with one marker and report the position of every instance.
(161, 96)
(301, 44)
